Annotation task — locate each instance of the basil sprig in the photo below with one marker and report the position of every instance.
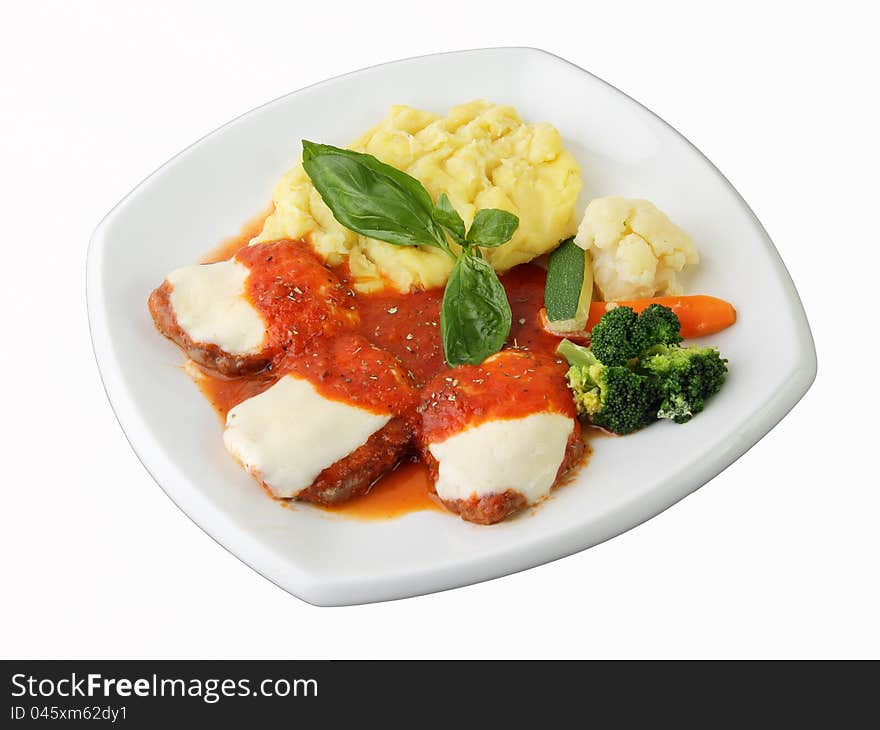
(492, 227)
(475, 314)
(379, 201)
(372, 198)
(448, 217)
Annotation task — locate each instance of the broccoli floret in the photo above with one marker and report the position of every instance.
(657, 325)
(685, 377)
(612, 397)
(627, 400)
(621, 335)
(635, 372)
(613, 339)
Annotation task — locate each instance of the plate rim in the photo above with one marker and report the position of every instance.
(333, 591)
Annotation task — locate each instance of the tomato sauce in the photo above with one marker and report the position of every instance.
(298, 297)
(383, 351)
(229, 246)
(408, 326)
(225, 393)
(353, 370)
(510, 384)
(401, 491)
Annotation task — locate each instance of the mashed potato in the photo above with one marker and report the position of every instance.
(635, 249)
(481, 156)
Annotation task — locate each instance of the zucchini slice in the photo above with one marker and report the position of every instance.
(569, 288)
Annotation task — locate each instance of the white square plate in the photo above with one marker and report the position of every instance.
(206, 192)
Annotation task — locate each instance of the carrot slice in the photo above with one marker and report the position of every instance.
(699, 314)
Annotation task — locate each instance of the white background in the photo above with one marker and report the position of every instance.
(776, 557)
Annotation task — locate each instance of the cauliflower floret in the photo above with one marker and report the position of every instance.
(635, 249)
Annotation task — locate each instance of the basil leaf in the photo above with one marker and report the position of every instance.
(492, 227)
(372, 198)
(475, 314)
(448, 217)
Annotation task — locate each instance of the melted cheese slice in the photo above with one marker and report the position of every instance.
(522, 454)
(290, 433)
(211, 306)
